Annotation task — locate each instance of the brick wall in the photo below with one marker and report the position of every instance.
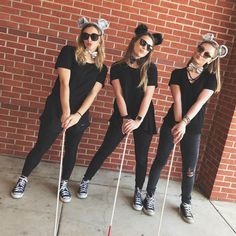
(217, 175)
(33, 32)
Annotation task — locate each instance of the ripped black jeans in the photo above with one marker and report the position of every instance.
(189, 146)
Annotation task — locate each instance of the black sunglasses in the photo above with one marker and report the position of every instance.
(206, 54)
(85, 36)
(143, 43)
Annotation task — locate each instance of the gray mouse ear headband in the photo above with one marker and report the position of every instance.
(222, 50)
(101, 24)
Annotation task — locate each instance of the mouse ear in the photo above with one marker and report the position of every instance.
(103, 24)
(82, 22)
(222, 51)
(158, 38)
(208, 37)
(141, 29)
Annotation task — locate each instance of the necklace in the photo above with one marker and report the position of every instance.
(190, 78)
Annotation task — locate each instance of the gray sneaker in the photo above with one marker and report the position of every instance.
(19, 189)
(65, 195)
(138, 202)
(186, 212)
(149, 205)
(83, 189)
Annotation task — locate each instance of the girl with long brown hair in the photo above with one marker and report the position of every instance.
(134, 79)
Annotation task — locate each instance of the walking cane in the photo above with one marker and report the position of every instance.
(168, 178)
(59, 182)
(117, 186)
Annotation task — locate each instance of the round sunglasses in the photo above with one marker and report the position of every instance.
(93, 36)
(206, 54)
(143, 43)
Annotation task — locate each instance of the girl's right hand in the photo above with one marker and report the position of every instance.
(178, 131)
(123, 125)
(64, 117)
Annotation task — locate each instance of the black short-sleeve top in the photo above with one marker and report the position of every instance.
(82, 79)
(133, 95)
(189, 95)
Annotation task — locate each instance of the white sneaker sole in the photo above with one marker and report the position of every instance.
(137, 208)
(82, 196)
(65, 200)
(147, 212)
(18, 196)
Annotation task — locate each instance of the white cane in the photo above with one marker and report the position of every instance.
(59, 182)
(163, 205)
(117, 186)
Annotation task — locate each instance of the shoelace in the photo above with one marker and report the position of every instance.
(64, 189)
(138, 197)
(150, 202)
(83, 186)
(20, 185)
(187, 208)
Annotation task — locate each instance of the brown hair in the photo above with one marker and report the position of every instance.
(145, 61)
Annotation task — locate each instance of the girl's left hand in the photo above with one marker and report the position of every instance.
(131, 125)
(178, 131)
(71, 120)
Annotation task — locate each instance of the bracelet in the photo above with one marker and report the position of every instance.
(79, 113)
(125, 117)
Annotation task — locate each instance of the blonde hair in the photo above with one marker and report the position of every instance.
(145, 61)
(80, 50)
(214, 66)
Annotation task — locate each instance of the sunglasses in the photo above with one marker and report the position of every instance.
(206, 54)
(85, 36)
(143, 43)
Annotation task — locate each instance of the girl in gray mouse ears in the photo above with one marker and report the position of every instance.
(191, 88)
(81, 75)
(134, 79)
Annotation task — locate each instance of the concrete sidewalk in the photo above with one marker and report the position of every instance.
(34, 214)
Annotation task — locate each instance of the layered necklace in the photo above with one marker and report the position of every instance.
(192, 68)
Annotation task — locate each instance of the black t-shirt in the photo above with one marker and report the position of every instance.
(189, 95)
(82, 79)
(129, 79)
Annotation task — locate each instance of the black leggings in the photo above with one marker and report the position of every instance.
(189, 146)
(113, 137)
(48, 132)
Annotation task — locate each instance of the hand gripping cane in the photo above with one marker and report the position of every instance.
(117, 186)
(163, 205)
(59, 182)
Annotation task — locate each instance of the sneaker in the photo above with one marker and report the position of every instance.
(83, 189)
(65, 195)
(149, 205)
(186, 212)
(138, 202)
(18, 190)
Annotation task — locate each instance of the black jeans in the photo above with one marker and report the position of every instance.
(48, 132)
(112, 138)
(189, 146)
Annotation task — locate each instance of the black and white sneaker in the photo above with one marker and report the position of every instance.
(65, 195)
(138, 202)
(83, 189)
(149, 205)
(19, 189)
(186, 212)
